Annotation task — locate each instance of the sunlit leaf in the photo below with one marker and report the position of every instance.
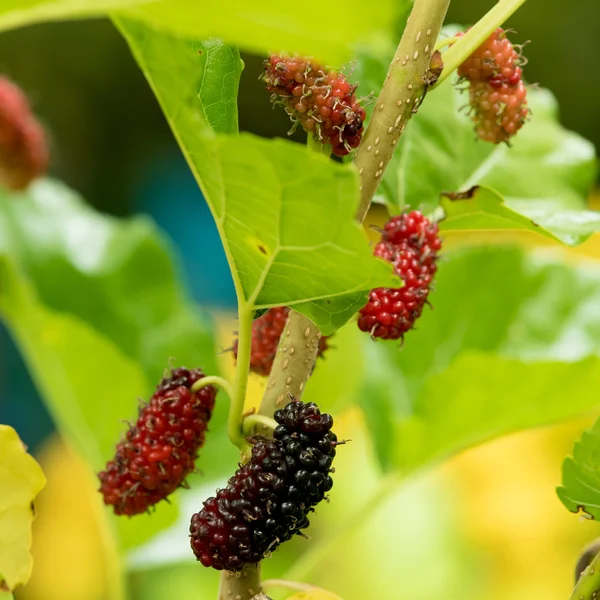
(21, 479)
(285, 214)
(260, 26)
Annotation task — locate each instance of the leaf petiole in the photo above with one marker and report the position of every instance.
(213, 380)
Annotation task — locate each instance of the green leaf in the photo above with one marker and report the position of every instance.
(261, 26)
(510, 338)
(285, 214)
(580, 490)
(483, 208)
(18, 13)
(117, 275)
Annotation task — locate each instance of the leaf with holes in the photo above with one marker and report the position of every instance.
(285, 214)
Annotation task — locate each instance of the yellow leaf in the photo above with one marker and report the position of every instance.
(21, 479)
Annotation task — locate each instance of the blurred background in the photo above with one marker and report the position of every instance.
(111, 143)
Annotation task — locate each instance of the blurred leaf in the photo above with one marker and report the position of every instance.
(510, 337)
(285, 214)
(265, 26)
(261, 26)
(580, 491)
(485, 209)
(18, 13)
(21, 479)
(315, 594)
(117, 275)
(96, 308)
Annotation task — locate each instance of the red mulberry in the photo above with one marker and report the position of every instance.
(23, 148)
(268, 499)
(496, 59)
(322, 101)
(411, 243)
(266, 331)
(497, 95)
(159, 451)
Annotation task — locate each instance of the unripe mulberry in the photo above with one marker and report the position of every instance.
(23, 147)
(497, 94)
(159, 451)
(323, 102)
(266, 331)
(498, 113)
(268, 499)
(411, 243)
(496, 59)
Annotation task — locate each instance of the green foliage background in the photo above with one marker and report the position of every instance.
(512, 343)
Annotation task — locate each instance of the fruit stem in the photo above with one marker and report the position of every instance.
(476, 35)
(240, 383)
(240, 586)
(213, 380)
(401, 95)
(251, 423)
(588, 584)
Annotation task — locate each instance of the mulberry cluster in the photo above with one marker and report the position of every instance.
(159, 451)
(411, 243)
(497, 94)
(266, 331)
(322, 101)
(268, 499)
(23, 147)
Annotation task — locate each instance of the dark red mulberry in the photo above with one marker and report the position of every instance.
(268, 499)
(159, 451)
(323, 102)
(23, 147)
(266, 331)
(411, 243)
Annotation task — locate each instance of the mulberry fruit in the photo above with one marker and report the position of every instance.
(159, 451)
(498, 112)
(23, 147)
(323, 102)
(411, 243)
(268, 499)
(497, 94)
(495, 60)
(266, 331)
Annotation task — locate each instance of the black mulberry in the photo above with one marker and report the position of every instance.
(268, 499)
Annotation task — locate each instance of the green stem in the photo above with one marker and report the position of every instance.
(472, 39)
(252, 422)
(240, 382)
(588, 584)
(400, 96)
(213, 380)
